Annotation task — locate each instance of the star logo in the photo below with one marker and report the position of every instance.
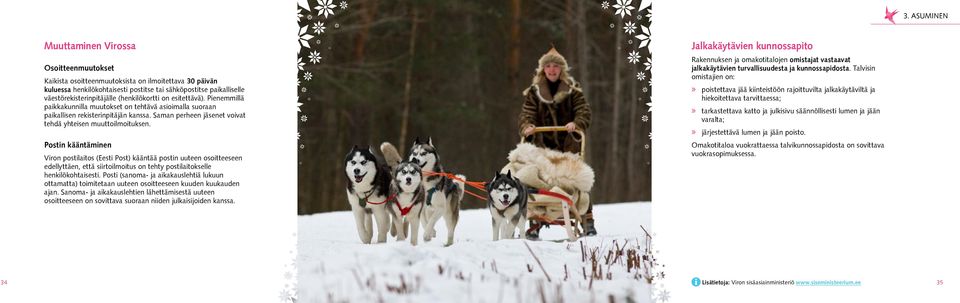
(889, 15)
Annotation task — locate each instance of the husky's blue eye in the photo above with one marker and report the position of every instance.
(364, 162)
(353, 162)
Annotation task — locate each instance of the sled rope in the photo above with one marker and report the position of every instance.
(481, 186)
(474, 184)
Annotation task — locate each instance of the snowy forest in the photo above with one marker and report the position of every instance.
(374, 71)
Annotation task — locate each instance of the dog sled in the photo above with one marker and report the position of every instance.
(559, 183)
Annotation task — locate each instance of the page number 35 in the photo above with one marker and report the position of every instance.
(939, 282)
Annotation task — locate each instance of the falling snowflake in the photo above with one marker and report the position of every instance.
(305, 37)
(649, 13)
(302, 146)
(303, 118)
(605, 5)
(309, 17)
(298, 106)
(314, 57)
(649, 106)
(629, 28)
(623, 7)
(634, 57)
(643, 36)
(298, 138)
(298, 82)
(648, 63)
(343, 5)
(325, 8)
(303, 89)
(644, 89)
(641, 76)
(650, 135)
(336, 25)
(307, 76)
(645, 118)
(300, 63)
(612, 26)
(319, 28)
(629, 41)
(646, 146)
(299, 15)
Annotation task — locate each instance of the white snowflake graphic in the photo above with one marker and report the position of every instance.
(649, 13)
(605, 5)
(305, 37)
(649, 106)
(285, 296)
(314, 57)
(648, 63)
(301, 147)
(644, 89)
(309, 17)
(303, 118)
(298, 106)
(318, 28)
(300, 63)
(641, 76)
(643, 36)
(303, 89)
(633, 57)
(325, 8)
(659, 292)
(298, 138)
(650, 135)
(343, 5)
(645, 118)
(299, 15)
(623, 8)
(303, 4)
(307, 76)
(629, 27)
(646, 146)
(644, 4)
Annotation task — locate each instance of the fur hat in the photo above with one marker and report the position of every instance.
(552, 56)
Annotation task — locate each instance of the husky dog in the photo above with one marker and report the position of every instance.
(507, 200)
(443, 194)
(368, 191)
(411, 197)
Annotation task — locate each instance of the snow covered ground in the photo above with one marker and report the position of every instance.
(333, 266)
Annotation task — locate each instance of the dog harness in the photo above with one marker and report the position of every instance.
(366, 200)
(431, 191)
(405, 211)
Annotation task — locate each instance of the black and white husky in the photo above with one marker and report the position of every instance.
(443, 194)
(507, 200)
(368, 191)
(410, 199)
